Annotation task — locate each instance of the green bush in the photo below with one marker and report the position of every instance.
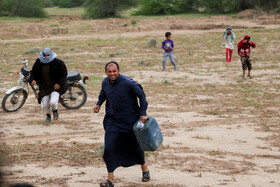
(4, 8)
(268, 4)
(55, 2)
(48, 3)
(68, 3)
(246, 4)
(158, 7)
(165, 7)
(100, 9)
(225, 6)
(106, 8)
(65, 4)
(22, 8)
(218, 6)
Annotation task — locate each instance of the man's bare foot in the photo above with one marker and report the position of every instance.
(250, 76)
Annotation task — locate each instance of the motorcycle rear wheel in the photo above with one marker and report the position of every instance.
(14, 101)
(74, 98)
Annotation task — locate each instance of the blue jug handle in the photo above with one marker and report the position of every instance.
(147, 120)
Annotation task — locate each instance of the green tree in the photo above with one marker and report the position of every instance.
(55, 2)
(226, 6)
(218, 6)
(269, 4)
(188, 5)
(246, 4)
(106, 8)
(48, 3)
(23, 8)
(4, 8)
(65, 4)
(68, 3)
(165, 7)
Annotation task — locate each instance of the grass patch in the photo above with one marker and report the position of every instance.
(17, 30)
(188, 15)
(53, 25)
(86, 26)
(21, 19)
(65, 11)
(95, 78)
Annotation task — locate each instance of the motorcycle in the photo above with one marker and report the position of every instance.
(74, 98)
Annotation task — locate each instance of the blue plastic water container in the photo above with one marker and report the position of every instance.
(149, 137)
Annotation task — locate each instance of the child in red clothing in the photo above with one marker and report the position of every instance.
(244, 53)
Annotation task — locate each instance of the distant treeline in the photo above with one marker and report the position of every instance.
(111, 8)
(24, 8)
(163, 7)
(65, 3)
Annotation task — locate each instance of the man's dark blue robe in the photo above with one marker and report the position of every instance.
(122, 111)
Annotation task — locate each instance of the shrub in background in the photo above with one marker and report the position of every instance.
(158, 7)
(218, 6)
(106, 8)
(2, 8)
(22, 8)
(55, 2)
(68, 3)
(165, 7)
(152, 42)
(168, 7)
(48, 3)
(225, 6)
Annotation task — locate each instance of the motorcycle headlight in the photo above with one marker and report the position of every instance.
(21, 76)
(25, 71)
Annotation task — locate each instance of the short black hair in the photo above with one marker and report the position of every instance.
(112, 62)
(167, 34)
(248, 38)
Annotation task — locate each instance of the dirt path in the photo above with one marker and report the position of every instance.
(104, 36)
(120, 28)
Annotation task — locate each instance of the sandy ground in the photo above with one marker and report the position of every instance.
(211, 138)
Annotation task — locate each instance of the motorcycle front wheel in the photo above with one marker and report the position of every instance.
(14, 101)
(74, 98)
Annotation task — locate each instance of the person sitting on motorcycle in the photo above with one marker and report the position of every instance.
(49, 73)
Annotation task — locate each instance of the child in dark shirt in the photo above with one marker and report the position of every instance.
(168, 46)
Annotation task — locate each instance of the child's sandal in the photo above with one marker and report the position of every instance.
(146, 176)
(107, 183)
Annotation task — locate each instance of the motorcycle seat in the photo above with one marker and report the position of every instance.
(74, 76)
